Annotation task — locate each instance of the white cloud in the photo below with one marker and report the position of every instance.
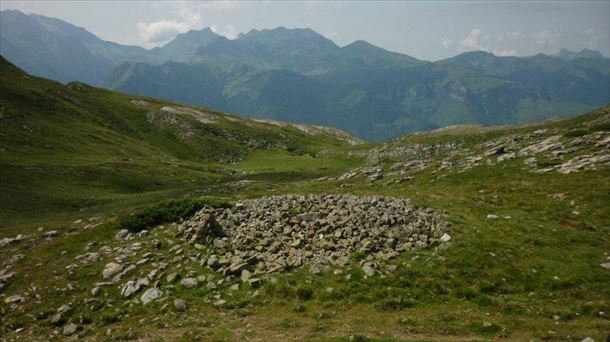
(592, 38)
(330, 35)
(165, 30)
(546, 38)
(446, 43)
(228, 31)
(505, 52)
(475, 41)
(590, 32)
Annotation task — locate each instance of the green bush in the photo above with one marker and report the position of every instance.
(304, 293)
(164, 212)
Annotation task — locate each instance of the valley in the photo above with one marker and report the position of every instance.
(299, 75)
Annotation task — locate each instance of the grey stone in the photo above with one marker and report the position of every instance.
(111, 269)
(121, 234)
(189, 283)
(70, 329)
(150, 295)
(180, 305)
(14, 299)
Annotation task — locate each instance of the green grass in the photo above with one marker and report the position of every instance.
(533, 276)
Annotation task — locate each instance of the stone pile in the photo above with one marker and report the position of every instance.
(280, 233)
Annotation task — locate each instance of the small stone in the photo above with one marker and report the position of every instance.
(255, 283)
(446, 237)
(150, 295)
(95, 291)
(189, 283)
(492, 216)
(111, 269)
(16, 299)
(130, 288)
(245, 275)
(314, 270)
(49, 234)
(606, 265)
(121, 234)
(172, 277)
(368, 269)
(587, 339)
(220, 302)
(391, 268)
(180, 305)
(70, 329)
(57, 319)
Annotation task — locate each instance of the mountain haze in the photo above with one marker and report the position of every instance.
(301, 76)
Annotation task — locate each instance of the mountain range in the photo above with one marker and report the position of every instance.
(299, 75)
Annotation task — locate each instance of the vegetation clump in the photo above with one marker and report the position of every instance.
(167, 211)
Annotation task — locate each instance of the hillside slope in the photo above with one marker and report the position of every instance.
(96, 140)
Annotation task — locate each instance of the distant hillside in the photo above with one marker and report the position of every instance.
(42, 116)
(299, 75)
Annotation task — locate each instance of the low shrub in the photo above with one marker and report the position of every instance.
(168, 211)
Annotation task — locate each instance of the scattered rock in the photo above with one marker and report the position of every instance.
(122, 234)
(180, 305)
(49, 234)
(189, 283)
(111, 269)
(368, 269)
(132, 287)
(70, 329)
(150, 295)
(15, 299)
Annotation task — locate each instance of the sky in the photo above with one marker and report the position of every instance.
(429, 30)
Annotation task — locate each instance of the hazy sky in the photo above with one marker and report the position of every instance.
(428, 30)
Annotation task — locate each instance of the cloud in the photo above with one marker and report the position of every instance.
(590, 32)
(592, 38)
(546, 38)
(505, 52)
(229, 31)
(164, 30)
(446, 43)
(475, 41)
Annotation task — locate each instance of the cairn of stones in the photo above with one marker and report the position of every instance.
(280, 233)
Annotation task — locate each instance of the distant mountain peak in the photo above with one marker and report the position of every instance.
(359, 43)
(584, 53)
(194, 37)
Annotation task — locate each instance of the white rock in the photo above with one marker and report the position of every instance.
(446, 237)
(189, 283)
(14, 299)
(150, 295)
(180, 305)
(111, 269)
